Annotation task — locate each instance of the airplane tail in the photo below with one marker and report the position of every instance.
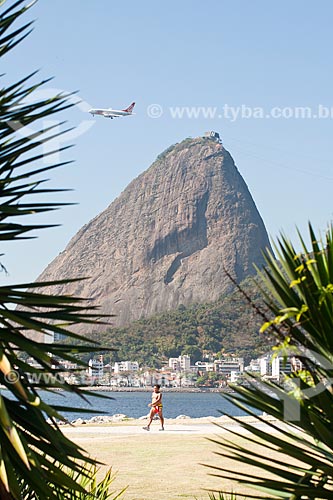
(130, 108)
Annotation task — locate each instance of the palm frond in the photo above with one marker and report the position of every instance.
(34, 454)
(295, 457)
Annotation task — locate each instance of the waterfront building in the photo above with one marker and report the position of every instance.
(274, 367)
(125, 366)
(181, 364)
(96, 368)
(227, 365)
(253, 367)
(204, 366)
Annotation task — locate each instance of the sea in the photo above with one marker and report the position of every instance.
(135, 404)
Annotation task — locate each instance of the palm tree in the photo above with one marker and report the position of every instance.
(92, 489)
(34, 453)
(298, 290)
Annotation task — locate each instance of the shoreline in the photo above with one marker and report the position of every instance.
(122, 420)
(105, 388)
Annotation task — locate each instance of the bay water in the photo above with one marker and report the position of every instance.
(135, 404)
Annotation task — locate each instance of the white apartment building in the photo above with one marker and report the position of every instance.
(234, 376)
(253, 367)
(125, 366)
(275, 367)
(180, 364)
(265, 363)
(284, 366)
(68, 365)
(228, 365)
(96, 368)
(204, 366)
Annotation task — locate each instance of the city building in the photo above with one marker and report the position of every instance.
(125, 366)
(253, 367)
(276, 366)
(181, 364)
(213, 135)
(204, 366)
(96, 368)
(234, 376)
(227, 365)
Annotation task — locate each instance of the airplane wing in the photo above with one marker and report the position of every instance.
(110, 115)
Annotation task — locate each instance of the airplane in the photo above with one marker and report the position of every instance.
(113, 113)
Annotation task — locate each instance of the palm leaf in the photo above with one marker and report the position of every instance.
(298, 290)
(34, 455)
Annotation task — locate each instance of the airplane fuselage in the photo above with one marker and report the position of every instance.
(113, 113)
(108, 112)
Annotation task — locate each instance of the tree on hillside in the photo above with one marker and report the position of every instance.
(36, 459)
(298, 289)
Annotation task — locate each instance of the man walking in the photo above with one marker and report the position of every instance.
(156, 408)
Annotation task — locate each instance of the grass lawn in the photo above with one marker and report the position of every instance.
(161, 466)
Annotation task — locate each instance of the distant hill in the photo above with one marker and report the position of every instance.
(164, 242)
(229, 325)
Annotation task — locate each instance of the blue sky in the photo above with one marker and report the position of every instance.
(248, 55)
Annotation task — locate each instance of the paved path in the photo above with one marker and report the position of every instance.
(123, 429)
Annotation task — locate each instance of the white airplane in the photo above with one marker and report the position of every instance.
(113, 113)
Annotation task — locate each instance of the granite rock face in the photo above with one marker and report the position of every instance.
(166, 239)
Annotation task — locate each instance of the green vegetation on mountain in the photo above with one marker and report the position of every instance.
(229, 325)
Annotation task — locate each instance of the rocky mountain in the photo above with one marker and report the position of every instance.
(167, 238)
